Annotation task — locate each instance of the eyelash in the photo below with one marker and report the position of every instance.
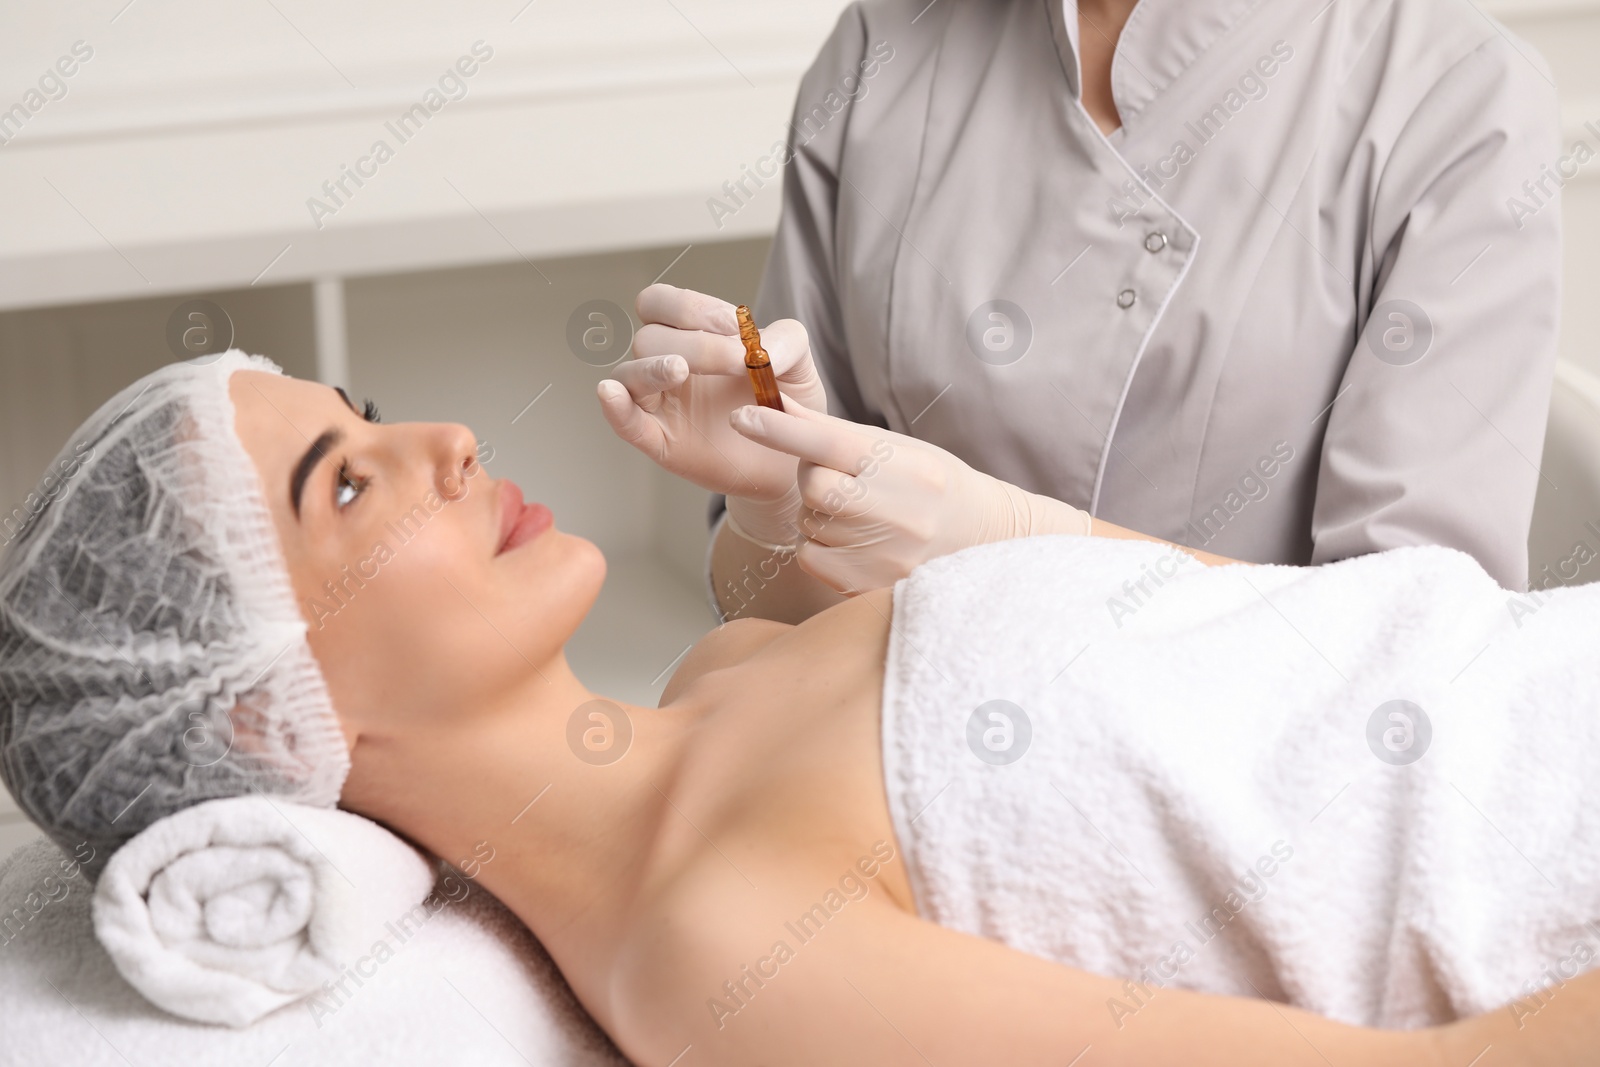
(346, 482)
(369, 411)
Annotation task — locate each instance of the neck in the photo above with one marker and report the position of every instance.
(563, 837)
(1102, 12)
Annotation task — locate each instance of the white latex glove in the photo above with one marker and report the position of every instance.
(672, 400)
(885, 502)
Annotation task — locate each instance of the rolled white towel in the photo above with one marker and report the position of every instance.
(233, 908)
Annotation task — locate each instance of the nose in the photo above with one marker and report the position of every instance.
(456, 458)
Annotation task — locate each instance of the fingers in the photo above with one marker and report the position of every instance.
(705, 353)
(630, 421)
(646, 379)
(806, 434)
(705, 331)
(830, 493)
(685, 309)
(686, 334)
(789, 348)
(833, 568)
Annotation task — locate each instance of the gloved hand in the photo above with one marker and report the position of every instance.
(672, 400)
(884, 502)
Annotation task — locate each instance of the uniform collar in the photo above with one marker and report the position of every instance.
(1160, 41)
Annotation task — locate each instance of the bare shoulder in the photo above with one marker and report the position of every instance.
(727, 645)
(736, 641)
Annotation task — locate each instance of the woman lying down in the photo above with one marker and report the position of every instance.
(1278, 816)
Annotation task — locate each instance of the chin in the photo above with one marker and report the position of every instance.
(562, 573)
(587, 562)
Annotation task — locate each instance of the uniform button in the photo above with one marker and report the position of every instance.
(1155, 242)
(1126, 298)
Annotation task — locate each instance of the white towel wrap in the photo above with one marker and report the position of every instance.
(1199, 804)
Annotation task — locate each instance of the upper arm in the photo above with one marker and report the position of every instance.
(728, 644)
(877, 986)
(1439, 441)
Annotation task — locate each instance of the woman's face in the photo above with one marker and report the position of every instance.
(393, 536)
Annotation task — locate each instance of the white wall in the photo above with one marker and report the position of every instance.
(187, 151)
(1567, 34)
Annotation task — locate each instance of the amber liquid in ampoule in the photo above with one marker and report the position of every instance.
(756, 362)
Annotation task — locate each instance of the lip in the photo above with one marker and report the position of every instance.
(519, 522)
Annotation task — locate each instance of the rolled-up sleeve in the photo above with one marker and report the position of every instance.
(1437, 430)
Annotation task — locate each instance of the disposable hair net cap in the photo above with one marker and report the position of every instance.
(152, 654)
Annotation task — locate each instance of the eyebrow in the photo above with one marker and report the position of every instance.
(308, 462)
(319, 448)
